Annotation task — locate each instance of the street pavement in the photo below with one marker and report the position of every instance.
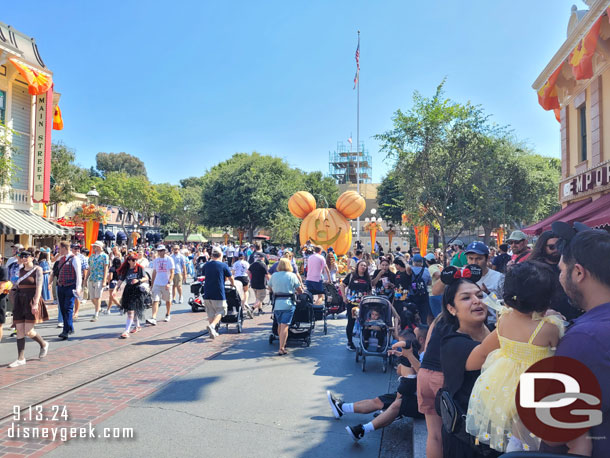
(187, 395)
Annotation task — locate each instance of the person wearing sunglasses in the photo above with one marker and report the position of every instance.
(518, 245)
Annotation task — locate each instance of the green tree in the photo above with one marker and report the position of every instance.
(181, 208)
(66, 176)
(191, 181)
(324, 189)
(283, 229)
(435, 145)
(119, 162)
(131, 194)
(543, 184)
(390, 197)
(247, 191)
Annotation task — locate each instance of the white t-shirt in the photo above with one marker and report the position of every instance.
(494, 281)
(162, 266)
(230, 251)
(240, 268)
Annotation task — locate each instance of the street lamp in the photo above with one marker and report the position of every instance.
(93, 196)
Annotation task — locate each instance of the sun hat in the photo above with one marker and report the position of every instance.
(517, 236)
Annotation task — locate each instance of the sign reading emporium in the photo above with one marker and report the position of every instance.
(595, 180)
(42, 146)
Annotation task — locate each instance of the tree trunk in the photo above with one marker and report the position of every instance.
(251, 234)
(487, 233)
(443, 241)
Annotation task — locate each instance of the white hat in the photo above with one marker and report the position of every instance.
(99, 243)
(217, 250)
(161, 248)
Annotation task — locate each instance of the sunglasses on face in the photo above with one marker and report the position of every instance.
(515, 242)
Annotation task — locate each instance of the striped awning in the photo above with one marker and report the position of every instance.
(26, 222)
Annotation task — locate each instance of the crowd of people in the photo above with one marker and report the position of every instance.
(466, 323)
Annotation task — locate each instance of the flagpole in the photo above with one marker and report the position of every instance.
(358, 138)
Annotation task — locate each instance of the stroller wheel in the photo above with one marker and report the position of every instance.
(308, 342)
(325, 328)
(239, 327)
(190, 301)
(363, 363)
(194, 308)
(385, 365)
(271, 339)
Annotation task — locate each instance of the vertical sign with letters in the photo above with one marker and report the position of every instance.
(42, 146)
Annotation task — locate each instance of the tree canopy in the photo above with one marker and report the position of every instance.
(119, 162)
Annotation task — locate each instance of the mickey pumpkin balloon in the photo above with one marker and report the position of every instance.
(327, 227)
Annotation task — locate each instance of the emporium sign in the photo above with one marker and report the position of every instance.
(595, 180)
(42, 147)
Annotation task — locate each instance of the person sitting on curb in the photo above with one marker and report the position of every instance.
(402, 403)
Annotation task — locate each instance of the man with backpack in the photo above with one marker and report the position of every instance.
(419, 289)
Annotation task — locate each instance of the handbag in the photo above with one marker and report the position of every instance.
(449, 412)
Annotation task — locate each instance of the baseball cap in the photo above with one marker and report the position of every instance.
(217, 250)
(19, 246)
(517, 236)
(430, 257)
(458, 242)
(477, 248)
(418, 258)
(161, 248)
(75, 246)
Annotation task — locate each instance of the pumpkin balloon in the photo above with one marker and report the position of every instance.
(301, 204)
(327, 227)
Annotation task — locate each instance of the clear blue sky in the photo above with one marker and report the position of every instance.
(185, 84)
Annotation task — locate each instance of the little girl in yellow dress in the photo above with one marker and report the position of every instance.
(523, 336)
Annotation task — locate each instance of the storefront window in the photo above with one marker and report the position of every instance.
(582, 114)
(2, 106)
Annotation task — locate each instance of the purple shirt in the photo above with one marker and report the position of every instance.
(315, 265)
(588, 341)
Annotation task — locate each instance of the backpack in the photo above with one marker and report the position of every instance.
(419, 285)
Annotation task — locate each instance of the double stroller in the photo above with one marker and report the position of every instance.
(303, 320)
(375, 321)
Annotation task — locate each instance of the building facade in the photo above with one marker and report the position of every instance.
(575, 84)
(27, 104)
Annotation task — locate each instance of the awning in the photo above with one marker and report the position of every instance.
(26, 222)
(561, 215)
(596, 213)
(195, 238)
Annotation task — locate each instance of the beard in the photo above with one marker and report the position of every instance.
(553, 258)
(574, 295)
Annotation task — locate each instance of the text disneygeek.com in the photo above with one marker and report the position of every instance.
(65, 433)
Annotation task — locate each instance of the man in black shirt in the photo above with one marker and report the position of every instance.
(258, 273)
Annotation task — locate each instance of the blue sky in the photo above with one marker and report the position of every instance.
(185, 84)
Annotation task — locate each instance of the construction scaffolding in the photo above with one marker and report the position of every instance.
(343, 163)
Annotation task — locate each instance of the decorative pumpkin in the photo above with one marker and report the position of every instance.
(327, 226)
(351, 204)
(301, 204)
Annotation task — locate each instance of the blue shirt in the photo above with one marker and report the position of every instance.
(179, 263)
(285, 283)
(215, 273)
(587, 341)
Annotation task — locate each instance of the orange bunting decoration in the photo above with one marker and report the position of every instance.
(38, 83)
(547, 95)
(421, 238)
(557, 112)
(58, 122)
(581, 58)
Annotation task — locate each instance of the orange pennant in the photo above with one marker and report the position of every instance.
(58, 122)
(547, 95)
(557, 114)
(581, 58)
(38, 83)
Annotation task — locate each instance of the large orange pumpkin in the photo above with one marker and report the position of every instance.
(351, 204)
(301, 204)
(327, 227)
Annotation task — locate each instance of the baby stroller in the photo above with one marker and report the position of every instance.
(375, 319)
(303, 320)
(334, 301)
(196, 302)
(235, 312)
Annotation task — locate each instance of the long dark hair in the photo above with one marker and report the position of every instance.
(449, 299)
(366, 276)
(539, 251)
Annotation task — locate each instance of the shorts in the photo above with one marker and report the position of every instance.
(428, 384)
(284, 316)
(215, 307)
(95, 289)
(244, 280)
(315, 287)
(260, 294)
(408, 405)
(178, 279)
(161, 293)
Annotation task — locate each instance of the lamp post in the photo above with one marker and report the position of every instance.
(93, 196)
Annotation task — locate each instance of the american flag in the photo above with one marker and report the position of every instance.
(357, 64)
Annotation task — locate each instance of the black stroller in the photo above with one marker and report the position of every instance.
(375, 320)
(235, 312)
(303, 320)
(196, 302)
(334, 302)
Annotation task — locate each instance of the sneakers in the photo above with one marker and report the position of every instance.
(335, 405)
(151, 321)
(43, 350)
(167, 318)
(17, 363)
(351, 346)
(356, 432)
(212, 332)
(136, 329)
(95, 317)
(125, 335)
(60, 325)
(249, 311)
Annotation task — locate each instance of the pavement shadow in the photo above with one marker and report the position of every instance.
(182, 390)
(172, 340)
